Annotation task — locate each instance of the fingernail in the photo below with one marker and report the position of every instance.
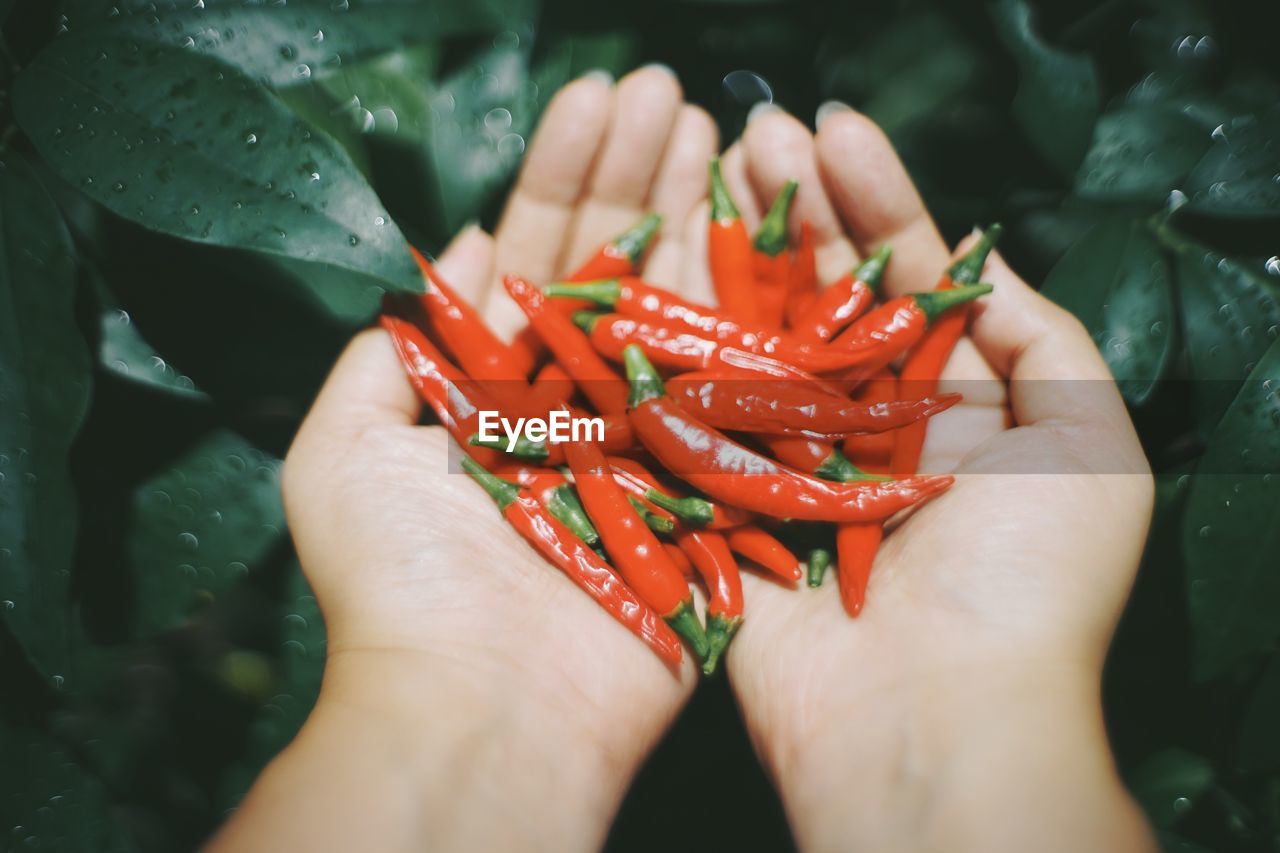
(598, 74)
(829, 108)
(761, 109)
(661, 66)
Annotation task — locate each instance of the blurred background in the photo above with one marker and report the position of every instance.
(158, 643)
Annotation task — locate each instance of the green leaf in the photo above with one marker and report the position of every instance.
(125, 353)
(1258, 746)
(1116, 280)
(1240, 174)
(1058, 92)
(1168, 783)
(44, 393)
(48, 802)
(1140, 153)
(1231, 529)
(1230, 315)
(199, 527)
(304, 645)
(186, 146)
(286, 44)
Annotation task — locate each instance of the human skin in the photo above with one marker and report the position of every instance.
(474, 699)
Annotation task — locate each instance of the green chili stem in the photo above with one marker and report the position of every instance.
(646, 383)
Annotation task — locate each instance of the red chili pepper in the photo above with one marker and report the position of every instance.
(764, 550)
(710, 555)
(802, 279)
(729, 253)
(622, 254)
(771, 262)
(819, 457)
(856, 546)
(618, 438)
(583, 566)
(727, 471)
(553, 491)
(681, 348)
(923, 364)
(459, 325)
(636, 551)
(896, 326)
(571, 348)
(681, 561)
(872, 451)
(455, 400)
(843, 302)
(726, 400)
(664, 500)
(551, 387)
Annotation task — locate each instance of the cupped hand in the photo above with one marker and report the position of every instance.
(433, 604)
(990, 609)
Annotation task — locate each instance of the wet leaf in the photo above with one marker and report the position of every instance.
(1259, 744)
(199, 527)
(124, 352)
(187, 146)
(303, 646)
(44, 393)
(287, 44)
(1230, 315)
(47, 802)
(1168, 783)
(1116, 280)
(1058, 92)
(1231, 529)
(1140, 154)
(1240, 173)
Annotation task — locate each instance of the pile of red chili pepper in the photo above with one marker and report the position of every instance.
(769, 430)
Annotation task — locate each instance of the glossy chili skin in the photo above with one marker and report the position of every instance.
(696, 512)
(710, 555)
(762, 548)
(856, 546)
(683, 348)
(872, 451)
(802, 277)
(478, 350)
(638, 554)
(454, 399)
(729, 253)
(583, 566)
(606, 391)
(553, 491)
(727, 401)
(621, 254)
(924, 363)
(730, 472)
(771, 261)
(843, 302)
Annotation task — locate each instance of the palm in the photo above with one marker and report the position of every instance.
(405, 555)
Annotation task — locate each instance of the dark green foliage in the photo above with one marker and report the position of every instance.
(175, 279)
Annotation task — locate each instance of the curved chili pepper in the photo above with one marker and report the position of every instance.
(843, 302)
(621, 254)
(897, 325)
(554, 492)
(872, 451)
(763, 549)
(634, 549)
(727, 471)
(727, 401)
(819, 457)
(455, 400)
(923, 364)
(583, 566)
(681, 561)
(709, 552)
(617, 438)
(478, 350)
(571, 348)
(683, 349)
(771, 263)
(819, 560)
(699, 512)
(729, 253)
(802, 278)
(856, 546)
(653, 521)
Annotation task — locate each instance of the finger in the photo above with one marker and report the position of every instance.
(467, 263)
(531, 236)
(733, 168)
(681, 183)
(645, 106)
(779, 148)
(876, 200)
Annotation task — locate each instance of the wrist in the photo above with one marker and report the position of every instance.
(974, 758)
